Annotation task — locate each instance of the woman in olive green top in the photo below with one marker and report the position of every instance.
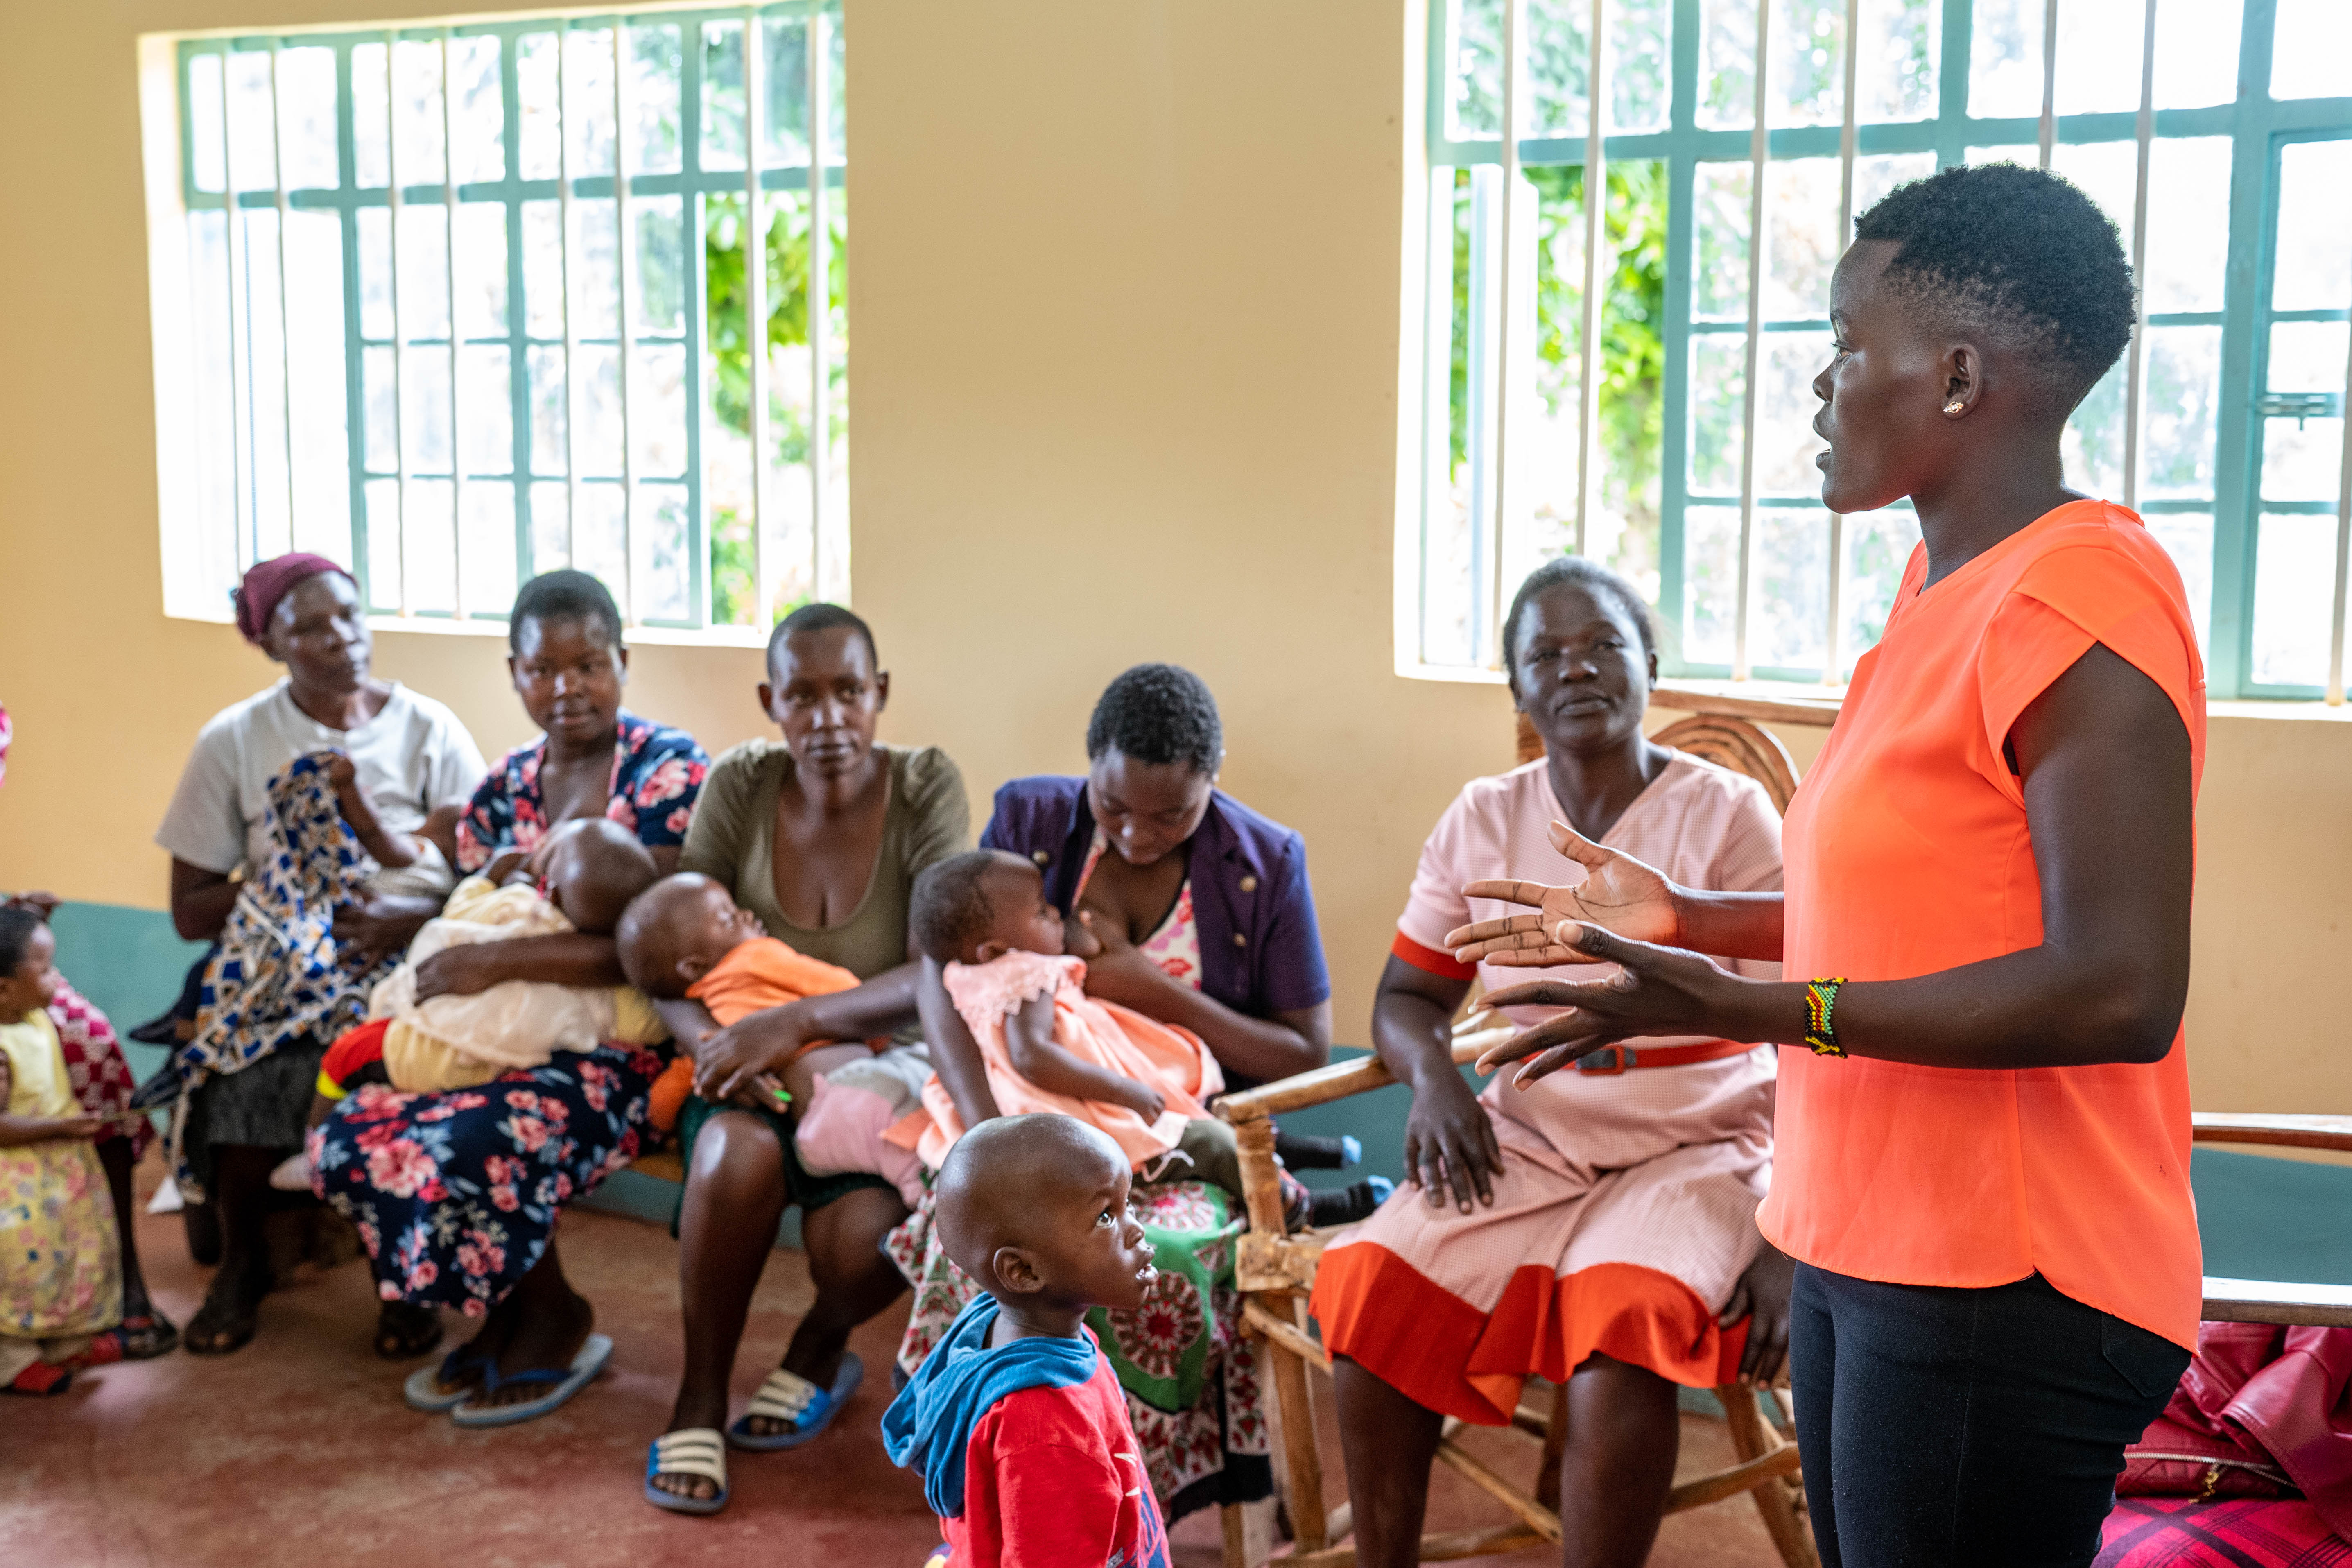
(821, 837)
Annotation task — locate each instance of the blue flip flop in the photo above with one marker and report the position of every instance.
(566, 1382)
(423, 1390)
(787, 1397)
(689, 1451)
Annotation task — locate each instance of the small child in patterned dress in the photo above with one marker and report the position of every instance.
(61, 1269)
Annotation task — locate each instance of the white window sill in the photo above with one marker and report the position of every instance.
(440, 626)
(1800, 703)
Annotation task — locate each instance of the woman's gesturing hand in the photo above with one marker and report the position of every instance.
(1449, 1142)
(1656, 991)
(1618, 893)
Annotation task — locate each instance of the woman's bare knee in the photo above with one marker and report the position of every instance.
(737, 1154)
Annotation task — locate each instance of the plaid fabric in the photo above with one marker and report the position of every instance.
(2236, 1532)
(94, 1064)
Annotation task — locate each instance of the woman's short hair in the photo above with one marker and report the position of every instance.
(564, 596)
(821, 617)
(1582, 571)
(1158, 714)
(2018, 254)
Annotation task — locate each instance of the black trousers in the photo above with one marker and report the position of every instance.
(1978, 1427)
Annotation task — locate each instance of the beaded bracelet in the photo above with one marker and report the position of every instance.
(1821, 1033)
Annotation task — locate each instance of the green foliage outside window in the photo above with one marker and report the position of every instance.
(734, 574)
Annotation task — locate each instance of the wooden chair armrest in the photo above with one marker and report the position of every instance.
(1472, 1037)
(1359, 1075)
(2289, 1131)
(2277, 1301)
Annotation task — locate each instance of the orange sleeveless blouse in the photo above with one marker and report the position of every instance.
(1907, 852)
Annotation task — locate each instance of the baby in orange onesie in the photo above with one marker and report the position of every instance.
(685, 936)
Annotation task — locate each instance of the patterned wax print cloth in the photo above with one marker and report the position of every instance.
(277, 974)
(657, 771)
(1191, 1376)
(455, 1193)
(100, 1077)
(2229, 1532)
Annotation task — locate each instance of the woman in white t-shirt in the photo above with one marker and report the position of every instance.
(246, 1109)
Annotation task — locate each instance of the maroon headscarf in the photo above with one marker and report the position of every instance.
(257, 597)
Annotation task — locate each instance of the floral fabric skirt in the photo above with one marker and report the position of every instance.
(454, 1195)
(61, 1274)
(1189, 1374)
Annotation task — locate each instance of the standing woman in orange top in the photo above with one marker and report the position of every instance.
(1982, 1163)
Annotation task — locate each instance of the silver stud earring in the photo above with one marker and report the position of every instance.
(1953, 406)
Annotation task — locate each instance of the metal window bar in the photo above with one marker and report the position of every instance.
(626, 270)
(568, 221)
(1760, 148)
(2046, 133)
(285, 315)
(1495, 520)
(243, 458)
(2343, 541)
(820, 294)
(1832, 639)
(395, 204)
(2134, 368)
(1596, 237)
(457, 338)
(755, 300)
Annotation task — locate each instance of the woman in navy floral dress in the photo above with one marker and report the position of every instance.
(657, 772)
(456, 1195)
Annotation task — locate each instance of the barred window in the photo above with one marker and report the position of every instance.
(465, 303)
(1631, 378)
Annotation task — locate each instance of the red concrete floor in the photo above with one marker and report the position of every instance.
(297, 1451)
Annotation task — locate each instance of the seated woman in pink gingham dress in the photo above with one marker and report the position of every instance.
(1599, 1228)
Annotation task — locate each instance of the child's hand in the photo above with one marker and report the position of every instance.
(764, 1092)
(78, 1126)
(1145, 1101)
(342, 772)
(762, 1043)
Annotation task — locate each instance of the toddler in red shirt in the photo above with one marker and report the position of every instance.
(1018, 1426)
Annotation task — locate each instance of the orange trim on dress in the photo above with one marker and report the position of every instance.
(1431, 959)
(1444, 1355)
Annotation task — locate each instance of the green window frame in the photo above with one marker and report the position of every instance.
(1752, 578)
(483, 311)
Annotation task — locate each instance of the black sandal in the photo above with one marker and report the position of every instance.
(147, 1335)
(403, 1330)
(222, 1325)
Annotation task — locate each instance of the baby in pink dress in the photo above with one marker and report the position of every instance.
(1049, 1046)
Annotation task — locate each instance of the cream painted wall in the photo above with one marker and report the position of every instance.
(1126, 290)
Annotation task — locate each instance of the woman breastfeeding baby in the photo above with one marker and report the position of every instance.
(455, 1187)
(1194, 913)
